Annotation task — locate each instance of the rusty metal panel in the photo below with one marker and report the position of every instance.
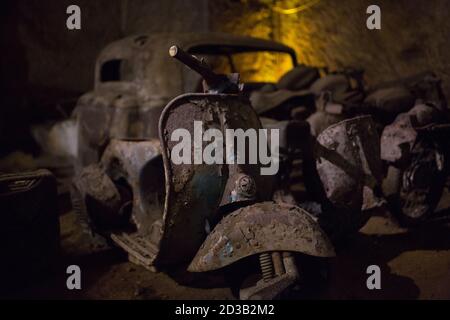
(348, 158)
(262, 227)
(320, 120)
(398, 138)
(137, 163)
(95, 199)
(122, 196)
(112, 113)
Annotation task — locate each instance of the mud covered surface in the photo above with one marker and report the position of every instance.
(415, 264)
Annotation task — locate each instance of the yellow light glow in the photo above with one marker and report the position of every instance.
(254, 66)
(262, 66)
(298, 9)
(285, 21)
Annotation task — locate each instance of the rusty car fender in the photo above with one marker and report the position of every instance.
(138, 161)
(258, 228)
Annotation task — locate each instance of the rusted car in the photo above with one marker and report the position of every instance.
(134, 80)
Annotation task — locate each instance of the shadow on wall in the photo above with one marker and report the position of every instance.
(14, 66)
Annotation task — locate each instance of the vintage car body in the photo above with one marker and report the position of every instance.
(135, 79)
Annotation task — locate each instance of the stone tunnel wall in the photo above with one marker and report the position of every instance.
(43, 62)
(414, 34)
(50, 55)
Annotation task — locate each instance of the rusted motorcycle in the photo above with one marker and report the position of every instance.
(208, 215)
(412, 118)
(416, 149)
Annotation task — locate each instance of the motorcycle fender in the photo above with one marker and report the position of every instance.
(259, 228)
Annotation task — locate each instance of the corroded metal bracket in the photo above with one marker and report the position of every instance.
(270, 289)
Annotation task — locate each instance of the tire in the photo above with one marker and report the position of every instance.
(414, 191)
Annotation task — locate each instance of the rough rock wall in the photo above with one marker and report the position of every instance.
(165, 15)
(414, 34)
(58, 57)
(53, 56)
(42, 61)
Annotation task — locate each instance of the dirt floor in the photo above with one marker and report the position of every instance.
(415, 264)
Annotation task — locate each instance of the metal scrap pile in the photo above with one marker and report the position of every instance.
(410, 116)
(129, 192)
